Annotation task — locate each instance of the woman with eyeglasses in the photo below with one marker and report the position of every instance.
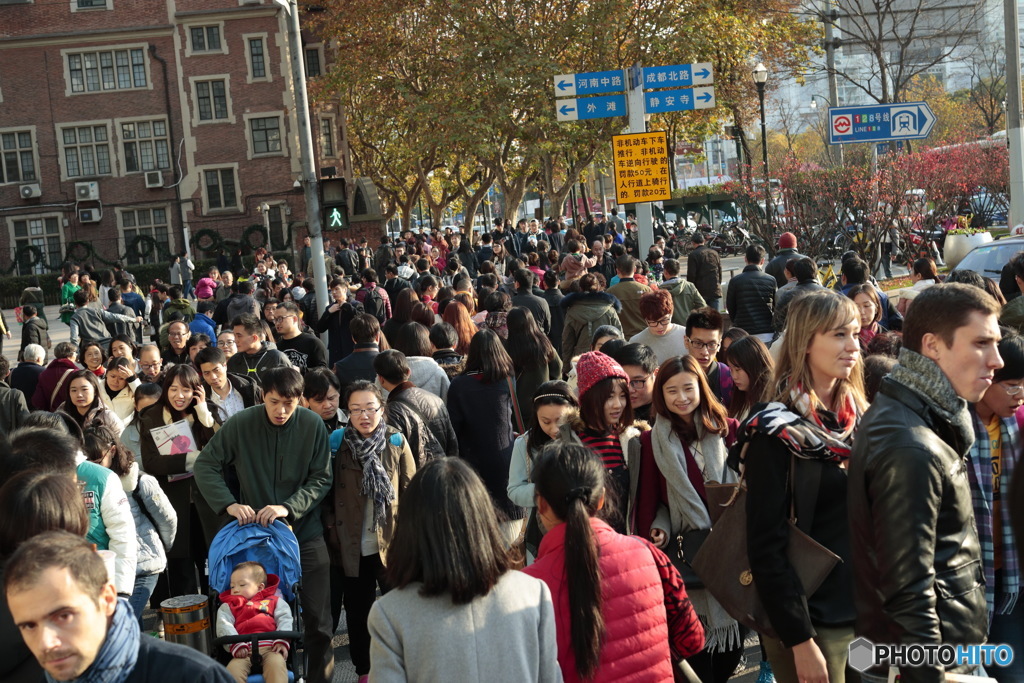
(993, 459)
(663, 336)
(372, 468)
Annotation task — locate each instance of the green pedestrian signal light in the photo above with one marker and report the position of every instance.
(333, 204)
(335, 219)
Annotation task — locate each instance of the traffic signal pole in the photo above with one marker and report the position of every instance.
(637, 124)
(306, 156)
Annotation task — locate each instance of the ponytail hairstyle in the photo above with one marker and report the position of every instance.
(572, 481)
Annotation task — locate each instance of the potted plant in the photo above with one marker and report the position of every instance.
(960, 242)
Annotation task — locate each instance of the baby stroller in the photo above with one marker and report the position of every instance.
(276, 548)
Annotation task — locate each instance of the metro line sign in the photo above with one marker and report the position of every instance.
(880, 122)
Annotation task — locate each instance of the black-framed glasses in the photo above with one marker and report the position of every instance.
(710, 346)
(364, 411)
(664, 322)
(639, 382)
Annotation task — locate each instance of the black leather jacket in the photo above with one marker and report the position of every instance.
(916, 556)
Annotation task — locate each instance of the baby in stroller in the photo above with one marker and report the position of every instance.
(254, 605)
(258, 565)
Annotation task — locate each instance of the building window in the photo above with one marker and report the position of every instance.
(220, 188)
(43, 233)
(326, 137)
(275, 225)
(212, 99)
(146, 146)
(205, 38)
(17, 163)
(312, 62)
(257, 58)
(266, 135)
(149, 223)
(92, 4)
(107, 70)
(86, 151)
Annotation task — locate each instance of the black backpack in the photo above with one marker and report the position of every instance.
(373, 304)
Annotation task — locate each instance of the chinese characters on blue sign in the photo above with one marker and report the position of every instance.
(880, 122)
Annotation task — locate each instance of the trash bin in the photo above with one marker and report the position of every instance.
(187, 622)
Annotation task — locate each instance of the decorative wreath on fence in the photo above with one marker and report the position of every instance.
(255, 230)
(79, 251)
(208, 240)
(141, 246)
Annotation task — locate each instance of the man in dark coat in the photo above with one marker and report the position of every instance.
(25, 377)
(704, 270)
(917, 558)
(359, 364)
(787, 252)
(524, 296)
(34, 330)
(227, 392)
(750, 298)
(393, 374)
(13, 408)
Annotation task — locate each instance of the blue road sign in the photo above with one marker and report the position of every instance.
(700, 73)
(680, 99)
(592, 83)
(590, 108)
(880, 122)
(883, 147)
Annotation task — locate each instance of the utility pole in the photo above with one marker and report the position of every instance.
(1013, 114)
(637, 124)
(306, 154)
(829, 17)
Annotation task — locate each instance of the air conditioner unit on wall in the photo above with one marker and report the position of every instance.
(87, 191)
(30, 191)
(90, 215)
(154, 179)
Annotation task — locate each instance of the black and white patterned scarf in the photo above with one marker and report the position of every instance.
(376, 482)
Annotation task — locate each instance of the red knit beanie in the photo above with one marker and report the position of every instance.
(593, 367)
(787, 240)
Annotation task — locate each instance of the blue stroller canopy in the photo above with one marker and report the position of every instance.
(274, 546)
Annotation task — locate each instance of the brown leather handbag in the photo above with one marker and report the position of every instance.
(722, 559)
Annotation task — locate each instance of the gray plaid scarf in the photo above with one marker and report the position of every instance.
(376, 482)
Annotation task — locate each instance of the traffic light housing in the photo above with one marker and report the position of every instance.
(333, 204)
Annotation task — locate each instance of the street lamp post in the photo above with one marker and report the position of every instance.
(760, 78)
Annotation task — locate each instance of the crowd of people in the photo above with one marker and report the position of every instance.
(510, 438)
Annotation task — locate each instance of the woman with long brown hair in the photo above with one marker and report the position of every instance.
(751, 366)
(456, 315)
(401, 313)
(684, 451)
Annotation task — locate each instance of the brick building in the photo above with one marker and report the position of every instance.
(126, 123)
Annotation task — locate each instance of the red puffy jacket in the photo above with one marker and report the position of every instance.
(636, 638)
(255, 614)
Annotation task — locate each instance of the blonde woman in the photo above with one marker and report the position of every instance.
(818, 399)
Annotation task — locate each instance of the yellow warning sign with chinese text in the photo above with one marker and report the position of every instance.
(641, 167)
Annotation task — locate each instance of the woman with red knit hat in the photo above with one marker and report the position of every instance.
(605, 425)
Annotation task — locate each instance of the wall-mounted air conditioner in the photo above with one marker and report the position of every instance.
(87, 191)
(30, 191)
(90, 215)
(154, 179)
